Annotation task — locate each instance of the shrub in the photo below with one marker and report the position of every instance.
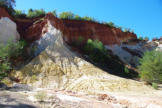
(146, 38)
(19, 14)
(35, 13)
(66, 15)
(140, 38)
(41, 96)
(111, 24)
(86, 18)
(151, 67)
(127, 30)
(126, 70)
(96, 51)
(100, 56)
(155, 86)
(77, 17)
(7, 52)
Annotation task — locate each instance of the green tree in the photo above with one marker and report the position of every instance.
(66, 15)
(146, 38)
(86, 18)
(19, 14)
(77, 17)
(110, 24)
(151, 67)
(140, 38)
(96, 51)
(8, 51)
(35, 13)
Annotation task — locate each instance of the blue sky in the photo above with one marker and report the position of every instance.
(142, 16)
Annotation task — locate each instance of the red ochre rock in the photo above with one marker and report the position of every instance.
(32, 29)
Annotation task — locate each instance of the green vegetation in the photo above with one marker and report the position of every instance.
(66, 15)
(155, 86)
(41, 96)
(35, 13)
(19, 14)
(140, 38)
(110, 24)
(151, 67)
(7, 53)
(146, 38)
(70, 15)
(86, 18)
(127, 30)
(96, 53)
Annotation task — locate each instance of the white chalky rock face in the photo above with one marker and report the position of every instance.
(138, 49)
(8, 31)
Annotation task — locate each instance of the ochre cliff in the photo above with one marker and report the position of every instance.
(31, 29)
(93, 30)
(73, 29)
(4, 13)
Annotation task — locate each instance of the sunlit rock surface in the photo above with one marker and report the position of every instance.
(60, 68)
(8, 31)
(131, 53)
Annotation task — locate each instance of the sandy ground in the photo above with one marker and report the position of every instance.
(69, 99)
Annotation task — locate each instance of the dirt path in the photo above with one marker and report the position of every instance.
(9, 99)
(69, 99)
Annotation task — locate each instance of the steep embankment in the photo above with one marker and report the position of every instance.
(92, 30)
(58, 67)
(73, 29)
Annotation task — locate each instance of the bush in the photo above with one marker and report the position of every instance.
(155, 86)
(146, 38)
(100, 56)
(128, 30)
(35, 13)
(70, 15)
(151, 67)
(19, 14)
(96, 51)
(77, 17)
(110, 24)
(66, 15)
(86, 18)
(7, 52)
(41, 96)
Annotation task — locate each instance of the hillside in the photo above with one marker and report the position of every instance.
(60, 69)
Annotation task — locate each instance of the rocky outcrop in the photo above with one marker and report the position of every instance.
(60, 68)
(8, 30)
(131, 53)
(4, 13)
(92, 30)
(73, 29)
